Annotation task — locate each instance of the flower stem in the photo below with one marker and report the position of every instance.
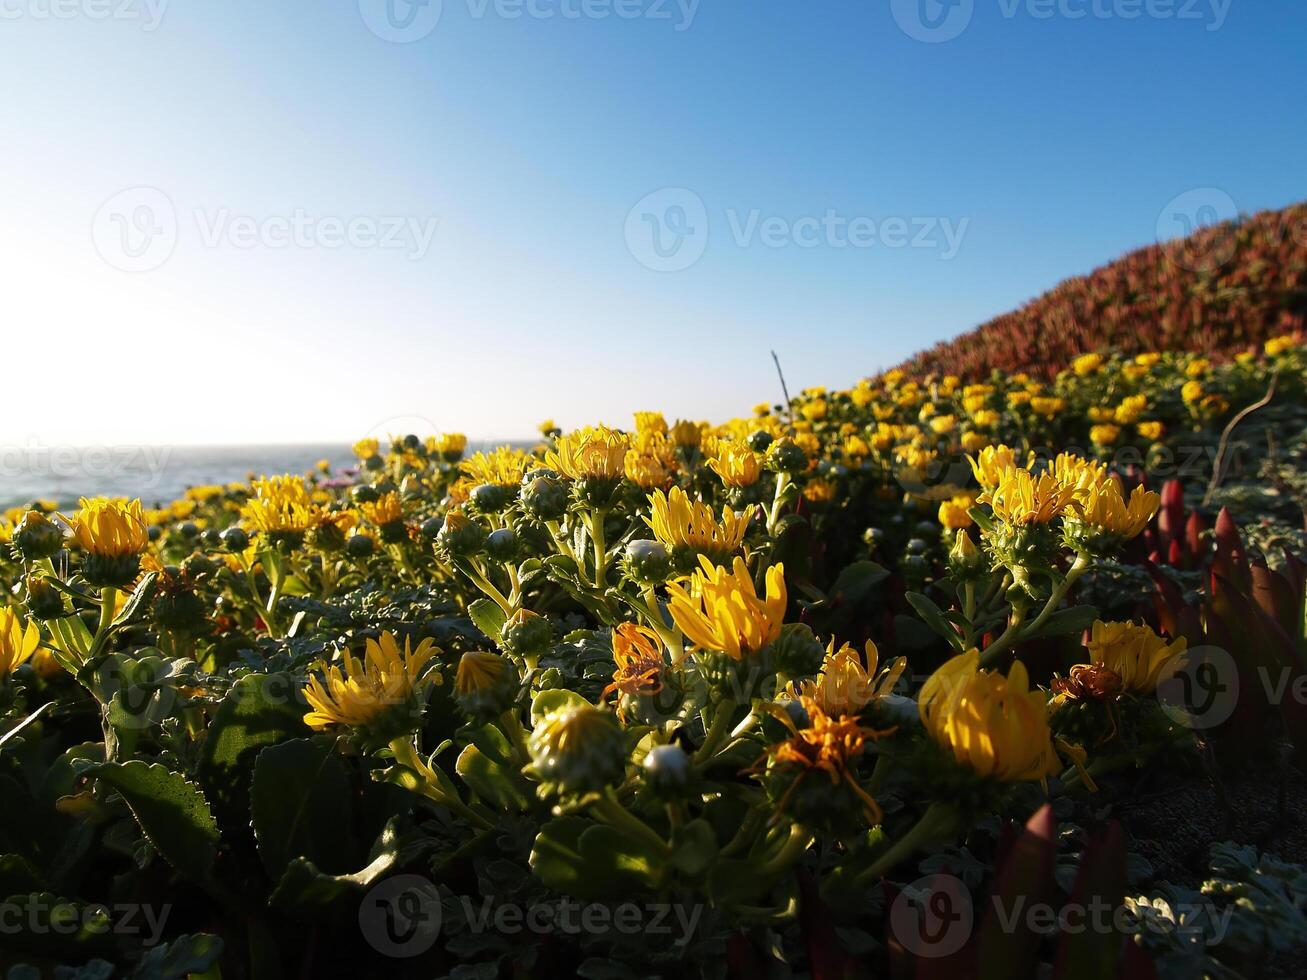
(715, 732)
(938, 822)
(1016, 629)
(612, 810)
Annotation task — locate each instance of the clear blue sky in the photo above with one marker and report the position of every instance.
(1048, 143)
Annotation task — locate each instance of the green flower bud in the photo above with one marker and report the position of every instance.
(760, 440)
(43, 600)
(365, 494)
(502, 545)
(360, 546)
(545, 498)
(235, 540)
(647, 562)
(576, 750)
(491, 498)
(667, 770)
(37, 537)
(786, 456)
(110, 570)
(797, 652)
(966, 562)
(485, 684)
(460, 536)
(526, 634)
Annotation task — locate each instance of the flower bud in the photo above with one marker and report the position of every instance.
(667, 770)
(485, 684)
(360, 546)
(577, 749)
(526, 634)
(502, 545)
(365, 494)
(786, 456)
(491, 498)
(797, 652)
(647, 562)
(760, 440)
(545, 498)
(460, 536)
(43, 600)
(235, 540)
(37, 537)
(965, 560)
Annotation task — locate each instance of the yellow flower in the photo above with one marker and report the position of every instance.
(943, 424)
(953, 512)
(1133, 372)
(110, 528)
(546, 427)
(597, 453)
(855, 447)
(1047, 406)
(1131, 407)
(646, 422)
(1197, 368)
(1101, 413)
(1135, 654)
(974, 403)
(1103, 505)
(365, 691)
(685, 434)
(1075, 471)
(815, 410)
(647, 471)
(1147, 359)
(449, 445)
(827, 746)
(366, 448)
(1278, 345)
(1021, 498)
(18, 641)
(681, 523)
(992, 464)
(737, 465)
(504, 467)
(845, 686)
(722, 611)
(986, 418)
(638, 657)
(281, 505)
(1192, 391)
(974, 442)
(1087, 364)
(1104, 435)
(1151, 430)
(386, 509)
(819, 491)
(995, 725)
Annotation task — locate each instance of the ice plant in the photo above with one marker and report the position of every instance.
(722, 612)
(597, 453)
(1134, 653)
(737, 465)
(1102, 517)
(281, 508)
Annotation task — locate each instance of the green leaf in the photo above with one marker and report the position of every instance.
(300, 805)
(488, 617)
(141, 595)
(184, 956)
(694, 847)
(552, 700)
(172, 812)
(493, 782)
(41, 924)
(557, 861)
(934, 617)
(259, 710)
(303, 886)
(854, 584)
